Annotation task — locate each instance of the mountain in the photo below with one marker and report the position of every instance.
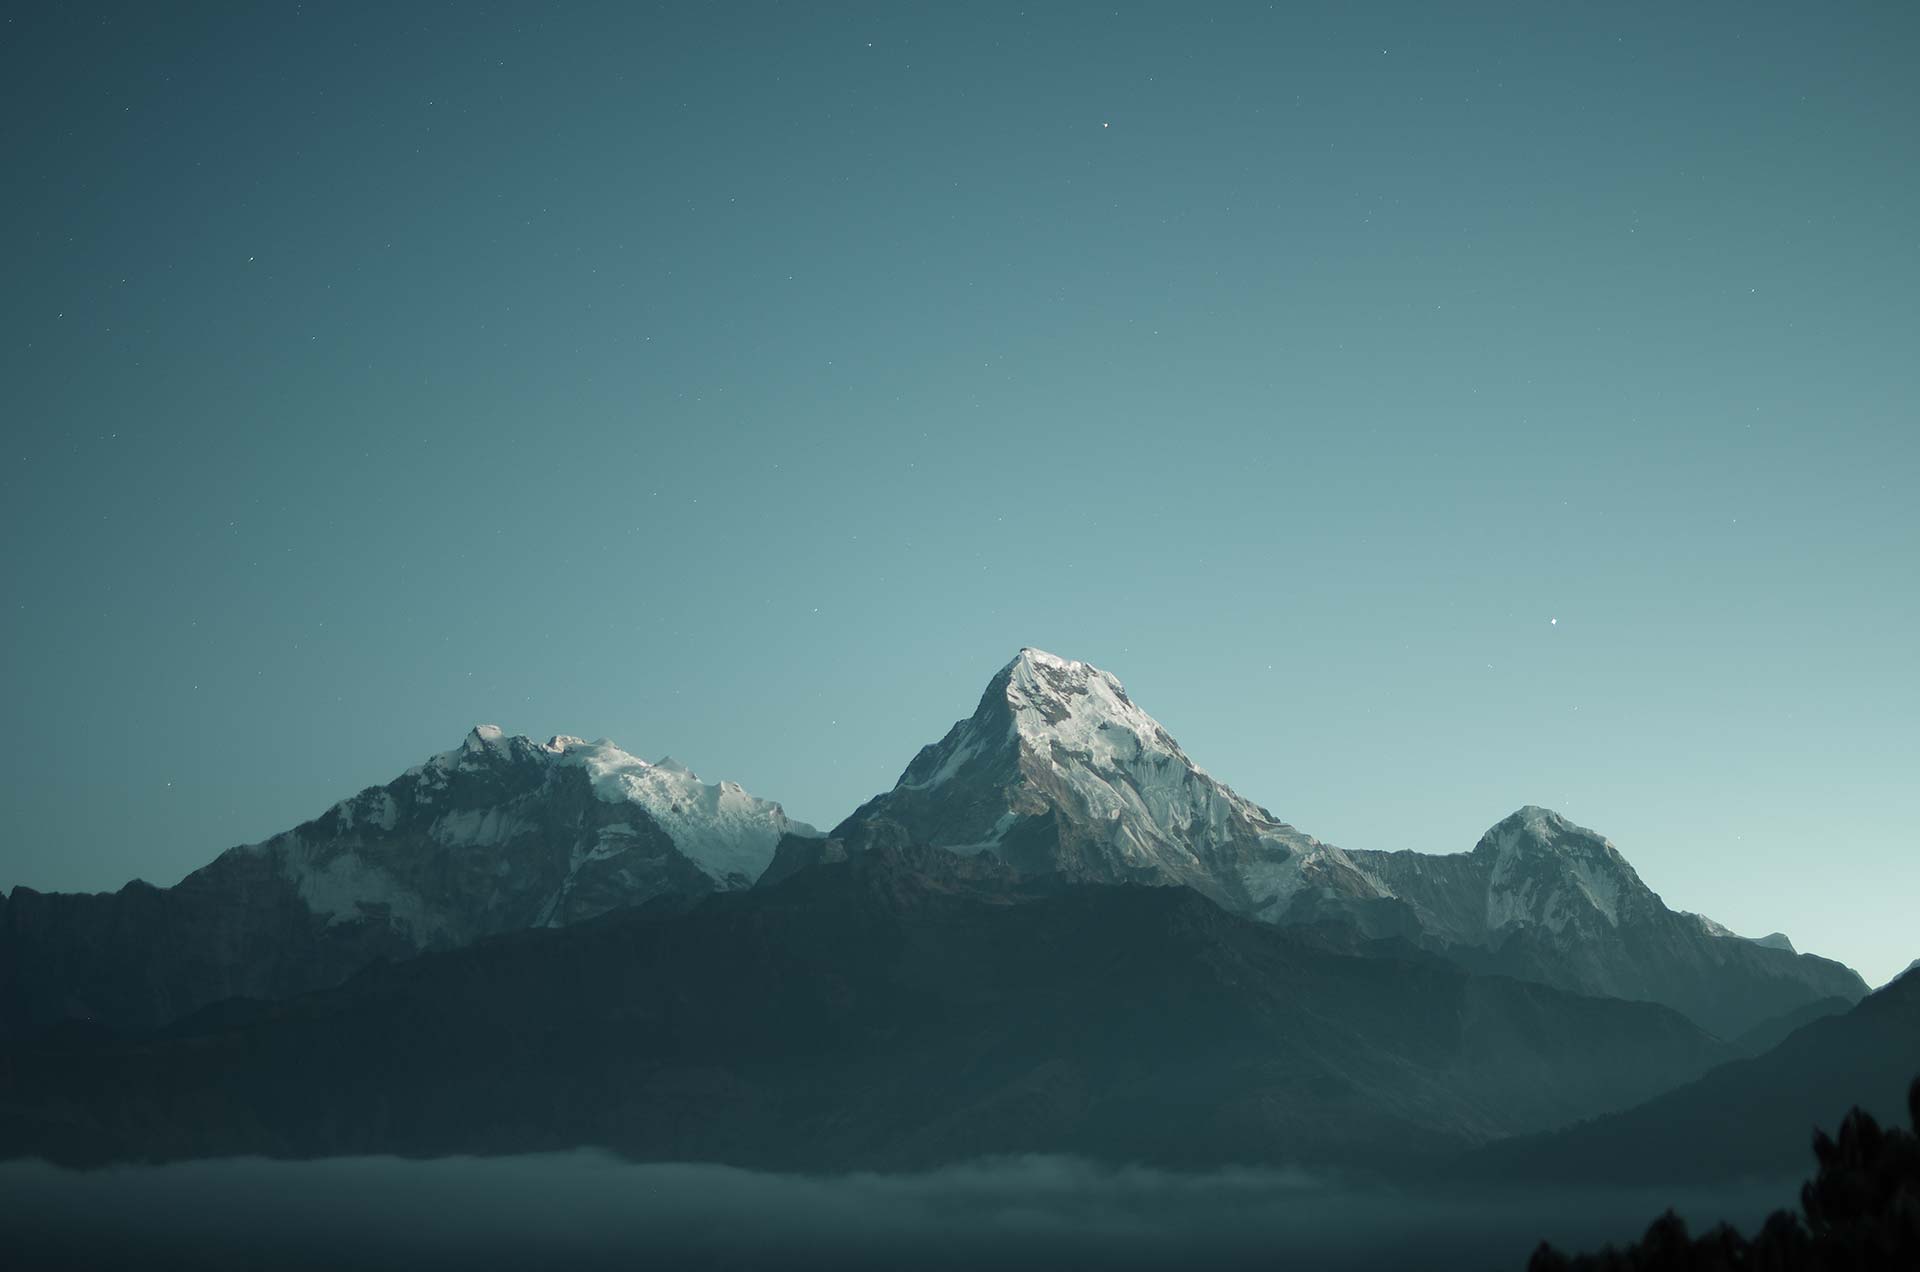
(1546, 900)
(498, 834)
(1749, 1118)
(905, 1007)
(1059, 771)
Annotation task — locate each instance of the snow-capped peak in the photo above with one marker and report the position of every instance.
(1054, 712)
(1533, 830)
(483, 737)
(1082, 710)
(1058, 769)
(1545, 869)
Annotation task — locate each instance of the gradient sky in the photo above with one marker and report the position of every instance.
(749, 383)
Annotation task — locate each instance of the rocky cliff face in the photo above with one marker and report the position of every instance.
(499, 834)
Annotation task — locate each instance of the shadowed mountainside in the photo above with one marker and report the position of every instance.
(906, 1008)
(1748, 1118)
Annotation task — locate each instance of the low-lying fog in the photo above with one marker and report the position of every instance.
(587, 1209)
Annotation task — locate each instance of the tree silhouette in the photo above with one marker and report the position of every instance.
(1860, 1213)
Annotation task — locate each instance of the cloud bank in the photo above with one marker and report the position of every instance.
(591, 1210)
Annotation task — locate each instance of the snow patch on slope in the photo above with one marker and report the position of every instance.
(373, 808)
(346, 888)
(477, 827)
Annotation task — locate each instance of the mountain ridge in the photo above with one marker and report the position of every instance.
(1056, 772)
(1059, 770)
(1544, 899)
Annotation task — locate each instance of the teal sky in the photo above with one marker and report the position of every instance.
(749, 383)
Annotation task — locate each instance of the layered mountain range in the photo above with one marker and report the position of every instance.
(1057, 773)
(1056, 932)
(1745, 1119)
